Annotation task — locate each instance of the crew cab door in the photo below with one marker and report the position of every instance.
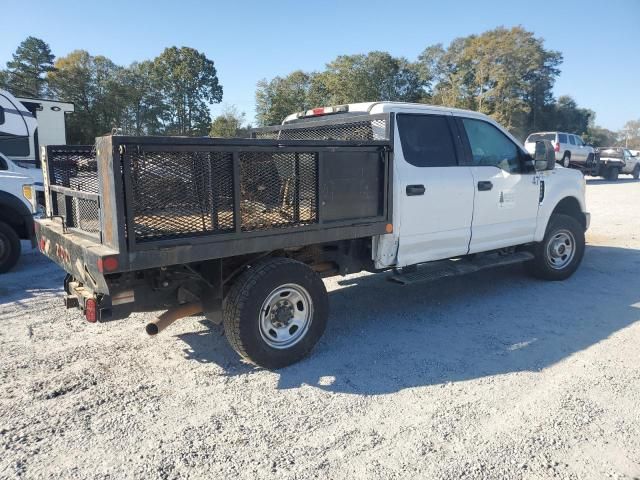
(507, 189)
(433, 192)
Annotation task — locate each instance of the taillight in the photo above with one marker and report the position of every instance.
(556, 147)
(107, 264)
(91, 310)
(314, 112)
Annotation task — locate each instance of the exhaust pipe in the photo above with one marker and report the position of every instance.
(171, 315)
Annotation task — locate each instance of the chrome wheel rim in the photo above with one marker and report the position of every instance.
(561, 249)
(285, 316)
(566, 162)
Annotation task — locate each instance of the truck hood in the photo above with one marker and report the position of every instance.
(35, 174)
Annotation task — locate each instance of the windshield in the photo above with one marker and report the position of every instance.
(535, 137)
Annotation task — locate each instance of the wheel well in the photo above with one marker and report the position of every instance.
(566, 153)
(13, 218)
(570, 206)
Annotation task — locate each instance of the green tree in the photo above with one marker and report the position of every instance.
(143, 102)
(91, 83)
(371, 77)
(26, 71)
(505, 73)
(277, 98)
(600, 137)
(188, 83)
(630, 134)
(229, 124)
(568, 117)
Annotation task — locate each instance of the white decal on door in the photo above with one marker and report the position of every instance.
(507, 200)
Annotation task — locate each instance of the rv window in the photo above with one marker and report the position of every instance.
(3, 164)
(14, 146)
(1, 115)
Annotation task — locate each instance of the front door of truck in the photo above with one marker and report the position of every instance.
(507, 190)
(433, 200)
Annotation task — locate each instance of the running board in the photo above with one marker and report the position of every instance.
(431, 271)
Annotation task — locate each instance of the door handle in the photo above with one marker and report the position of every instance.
(413, 190)
(484, 186)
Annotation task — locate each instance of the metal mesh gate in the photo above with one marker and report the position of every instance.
(371, 128)
(178, 194)
(278, 189)
(73, 183)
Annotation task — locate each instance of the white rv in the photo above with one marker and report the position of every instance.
(25, 124)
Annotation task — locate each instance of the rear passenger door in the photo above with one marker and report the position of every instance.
(507, 189)
(433, 198)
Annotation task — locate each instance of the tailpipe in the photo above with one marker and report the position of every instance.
(167, 318)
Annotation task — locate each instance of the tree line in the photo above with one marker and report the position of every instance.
(505, 73)
(169, 95)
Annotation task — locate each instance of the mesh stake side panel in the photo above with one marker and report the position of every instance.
(356, 130)
(179, 194)
(73, 167)
(278, 190)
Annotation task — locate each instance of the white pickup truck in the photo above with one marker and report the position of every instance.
(242, 230)
(17, 208)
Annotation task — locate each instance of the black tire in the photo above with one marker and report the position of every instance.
(636, 172)
(566, 160)
(243, 312)
(9, 247)
(542, 266)
(612, 174)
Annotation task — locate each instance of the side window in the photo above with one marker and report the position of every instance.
(426, 140)
(579, 141)
(1, 115)
(3, 164)
(572, 140)
(562, 137)
(490, 147)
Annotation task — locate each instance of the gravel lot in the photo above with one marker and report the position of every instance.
(494, 375)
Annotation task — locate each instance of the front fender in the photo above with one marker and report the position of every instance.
(560, 185)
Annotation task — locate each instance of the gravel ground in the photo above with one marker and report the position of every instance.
(493, 375)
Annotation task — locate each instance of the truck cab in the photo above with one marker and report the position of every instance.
(462, 185)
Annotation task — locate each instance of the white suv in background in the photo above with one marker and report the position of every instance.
(569, 148)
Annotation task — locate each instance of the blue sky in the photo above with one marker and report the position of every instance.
(251, 40)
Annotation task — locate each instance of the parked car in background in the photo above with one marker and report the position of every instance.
(569, 148)
(629, 163)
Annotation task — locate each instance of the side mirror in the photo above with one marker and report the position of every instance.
(544, 157)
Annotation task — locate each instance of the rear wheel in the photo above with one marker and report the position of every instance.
(275, 312)
(566, 160)
(9, 247)
(560, 252)
(636, 172)
(612, 173)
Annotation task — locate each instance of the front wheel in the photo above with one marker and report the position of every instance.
(275, 312)
(559, 254)
(9, 247)
(636, 172)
